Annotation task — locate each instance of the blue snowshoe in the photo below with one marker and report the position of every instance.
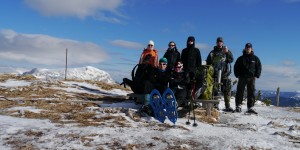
(158, 105)
(170, 102)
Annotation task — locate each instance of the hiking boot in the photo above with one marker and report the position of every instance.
(251, 111)
(146, 109)
(238, 109)
(216, 106)
(228, 109)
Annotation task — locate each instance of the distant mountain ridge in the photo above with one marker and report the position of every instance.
(286, 99)
(83, 73)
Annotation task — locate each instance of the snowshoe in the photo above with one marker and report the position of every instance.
(170, 101)
(158, 105)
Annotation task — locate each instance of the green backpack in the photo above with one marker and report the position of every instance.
(204, 82)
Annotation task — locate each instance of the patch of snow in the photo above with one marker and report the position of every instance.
(83, 73)
(14, 83)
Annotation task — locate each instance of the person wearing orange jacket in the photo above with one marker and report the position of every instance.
(149, 55)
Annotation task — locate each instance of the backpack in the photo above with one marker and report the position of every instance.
(139, 74)
(204, 82)
(219, 63)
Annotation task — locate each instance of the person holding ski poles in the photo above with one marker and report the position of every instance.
(247, 68)
(221, 58)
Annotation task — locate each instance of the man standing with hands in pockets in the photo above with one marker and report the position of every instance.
(247, 68)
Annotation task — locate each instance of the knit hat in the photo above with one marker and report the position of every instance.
(220, 39)
(248, 45)
(164, 60)
(151, 43)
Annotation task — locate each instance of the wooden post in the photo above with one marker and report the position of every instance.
(66, 64)
(277, 97)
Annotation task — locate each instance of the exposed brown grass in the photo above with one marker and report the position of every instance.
(200, 114)
(103, 85)
(4, 77)
(59, 106)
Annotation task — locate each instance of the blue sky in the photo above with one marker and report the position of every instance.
(111, 34)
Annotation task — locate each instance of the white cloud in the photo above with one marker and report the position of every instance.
(46, 50)
(100, 9)
(203, 46)
(127, 44)
(285, 77)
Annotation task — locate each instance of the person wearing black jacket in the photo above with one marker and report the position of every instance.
(191, 56)
(179, 82)
(172, 55)
(191, 59)
(247, 68)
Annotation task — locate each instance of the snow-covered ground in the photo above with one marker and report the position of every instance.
(272, 128)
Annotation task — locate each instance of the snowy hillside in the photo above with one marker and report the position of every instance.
(84, 73)
(51, 114)
(287, 99)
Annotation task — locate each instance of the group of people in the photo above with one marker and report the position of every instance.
(177, 71)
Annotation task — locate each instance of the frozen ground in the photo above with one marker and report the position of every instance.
(113, 124)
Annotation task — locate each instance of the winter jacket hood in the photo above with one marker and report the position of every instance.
(190, 38)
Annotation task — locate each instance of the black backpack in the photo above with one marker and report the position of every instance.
(139, 72)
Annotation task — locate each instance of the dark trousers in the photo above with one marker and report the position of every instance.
(242, 83)
(226, 90)
(180, 95)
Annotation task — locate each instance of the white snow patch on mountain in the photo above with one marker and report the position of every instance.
(83, 73)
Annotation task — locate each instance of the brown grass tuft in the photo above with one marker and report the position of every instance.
(4, 77)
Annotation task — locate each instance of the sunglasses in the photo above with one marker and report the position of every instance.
(163, 64)
(150, 45)
(171, 45)
(177, 67)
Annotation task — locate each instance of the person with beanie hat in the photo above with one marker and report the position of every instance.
(191, 59)
(149, 55)
(161, 76)
(163, 60)
(221, 58)
(172, 55)
(247, 68)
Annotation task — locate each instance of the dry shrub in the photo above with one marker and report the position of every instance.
(103, 85)
(4, 77)
(296, 109)
(7, 104)
(54, 117)
(29, 92)
(34, 133)
(133, 146)
(201, 115)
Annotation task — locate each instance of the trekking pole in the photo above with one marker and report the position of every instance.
(193, 99)
(192, 107)
(188, 122)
